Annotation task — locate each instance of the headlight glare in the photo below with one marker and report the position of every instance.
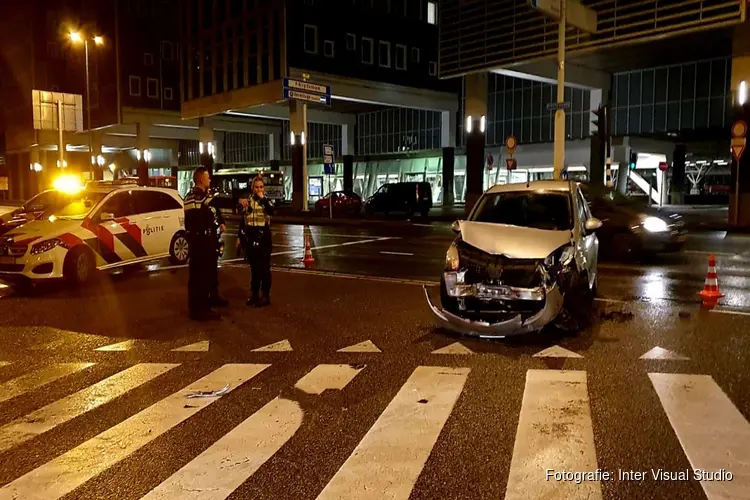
(567, 255)
(44, 246)
(654, 225)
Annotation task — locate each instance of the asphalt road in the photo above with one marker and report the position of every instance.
(94, 389)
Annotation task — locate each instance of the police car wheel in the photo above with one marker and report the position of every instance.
(79, 266)
(179, 251)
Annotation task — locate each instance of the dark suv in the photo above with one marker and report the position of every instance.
(409, 197)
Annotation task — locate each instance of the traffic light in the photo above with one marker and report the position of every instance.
(633, 160)
(601, 122)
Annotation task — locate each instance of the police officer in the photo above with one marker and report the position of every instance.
(255, 238)
(201, 220)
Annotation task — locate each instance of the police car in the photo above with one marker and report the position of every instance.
(104, 226)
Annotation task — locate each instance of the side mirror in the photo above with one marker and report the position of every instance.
(593, 224)
(105, 216)
(456, 227)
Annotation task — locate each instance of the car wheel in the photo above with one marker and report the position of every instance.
(179, 250)
(79, 266)
(577, 304)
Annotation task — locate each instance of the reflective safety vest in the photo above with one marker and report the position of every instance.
(255, 215)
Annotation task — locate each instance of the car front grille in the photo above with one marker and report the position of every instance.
(482, 267)
(13, 250)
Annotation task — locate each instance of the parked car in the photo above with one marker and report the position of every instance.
(343, 202)
(408, 197)
(525, 258)
(631, 228)
(32, 209)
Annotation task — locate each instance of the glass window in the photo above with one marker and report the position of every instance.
(351, 41)
(152, 88)
(311, 39)
(401, 57)
(134, 86)
(328, 48)
(538, 210)
(384, 54)
(79, 206)
(154, 201)
(432, 12)
(368, 49)
(41, 201)
(120, 205)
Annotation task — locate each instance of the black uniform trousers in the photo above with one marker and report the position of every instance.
(258, 255)
(203, 283)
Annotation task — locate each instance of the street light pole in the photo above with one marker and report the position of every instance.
(559, 148)
(88, 108)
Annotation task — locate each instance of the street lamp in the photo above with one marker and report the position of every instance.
(78, 37)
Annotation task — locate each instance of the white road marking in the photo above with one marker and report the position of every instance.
(454, 348)
(65, 473)
(75, 405)
(201, 346)
(282, 345)
(407, 254)
(324, 377)
(327, 235)
(716, 254)
(348, 243)
(711, 430)
(225, 465)
(611, 301)
(389, 459)
(37, 379)
(556, 351)
(120, 346)
(728, 311)
(4, 363)
(362, 277)
(366, 346)
(554, 432)
(661, 353)
(421, 225)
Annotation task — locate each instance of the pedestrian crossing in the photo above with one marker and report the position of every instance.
(554, 421)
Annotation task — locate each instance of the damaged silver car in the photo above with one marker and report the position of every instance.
(525, 258)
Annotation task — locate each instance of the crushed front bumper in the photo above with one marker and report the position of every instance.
(553, 303)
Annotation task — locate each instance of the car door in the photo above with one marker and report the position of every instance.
(108, 224)
(158, 217)
(590, 241)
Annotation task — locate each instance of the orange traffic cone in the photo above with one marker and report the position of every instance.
(711, 293)
(308, 258)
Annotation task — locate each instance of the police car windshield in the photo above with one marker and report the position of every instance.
(78, 206)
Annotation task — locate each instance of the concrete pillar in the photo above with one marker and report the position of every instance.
(348, 173)
(678, 174)
(298, 150)
(95, 154)
(142, 144)
(476, 110)
(449, 162)
(739, 199)
(347, 139)
(274, 146)
(448, 129)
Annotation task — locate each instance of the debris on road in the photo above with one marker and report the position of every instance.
(617, 316)
(209, 394)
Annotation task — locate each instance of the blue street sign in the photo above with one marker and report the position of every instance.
(307, 96)
(565, 175)
(553, 106)
(329, 166)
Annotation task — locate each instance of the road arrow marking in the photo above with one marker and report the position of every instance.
(366, 346)
(556, 352)
(201, 346)
(454, 348)
(660, 353)
(283, 345)
(120, 346)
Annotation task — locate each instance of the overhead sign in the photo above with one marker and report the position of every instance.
(576, 14)
(490, 159)
(328, 163)
(739, 139)
(306, 96)
(310, 87)
(511, 164)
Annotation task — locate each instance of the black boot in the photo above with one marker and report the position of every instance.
(265, 300)
(252, 301)
(219, 302)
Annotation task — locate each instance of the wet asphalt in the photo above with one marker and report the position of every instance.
(366, 285)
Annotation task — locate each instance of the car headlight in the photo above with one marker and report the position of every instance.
(451, 258)
(44, 246)
(559, 259)
(654, 225)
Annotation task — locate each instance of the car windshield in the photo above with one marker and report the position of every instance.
(532, 209)
(78, 206)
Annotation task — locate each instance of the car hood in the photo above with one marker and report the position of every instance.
(513, 241)
(43, 229)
